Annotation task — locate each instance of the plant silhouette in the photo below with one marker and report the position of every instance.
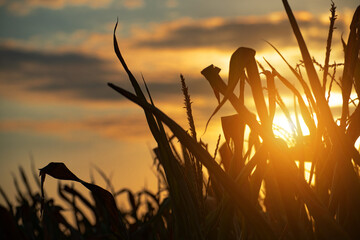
(257, 191)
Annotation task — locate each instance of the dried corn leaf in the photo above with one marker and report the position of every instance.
(103, 198)
(351, 57)
(241, 59)
(303, 108)
(213, 71)
(249, 118)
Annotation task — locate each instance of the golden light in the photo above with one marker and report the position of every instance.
(284, 128)
(288, 129)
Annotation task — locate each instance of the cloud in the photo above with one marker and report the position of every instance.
(31, 75)
(78, 66)
(133, 4)
(54, 73)
(171, 3)
(98, 43)
(22, 7)
(223, 33)
(112, 127)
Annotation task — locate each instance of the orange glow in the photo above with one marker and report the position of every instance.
(112, 134)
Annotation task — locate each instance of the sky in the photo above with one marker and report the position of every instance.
(56, 58)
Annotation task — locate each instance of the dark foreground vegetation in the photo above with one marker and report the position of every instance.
(258, 190)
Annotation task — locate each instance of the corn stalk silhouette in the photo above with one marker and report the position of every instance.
(259, 189)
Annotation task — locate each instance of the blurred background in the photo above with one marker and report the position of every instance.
(57, 56)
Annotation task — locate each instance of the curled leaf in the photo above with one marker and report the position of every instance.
(105, 202)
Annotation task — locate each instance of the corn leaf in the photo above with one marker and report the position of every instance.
(351, 57)
(104, 199)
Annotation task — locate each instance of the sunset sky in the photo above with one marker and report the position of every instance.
(57, 56)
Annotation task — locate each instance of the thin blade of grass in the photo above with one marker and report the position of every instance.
(271, 94)
(26, 182)
(303, 109)
(306, 88)
(325, 113)
(106, 179)
(8, 203)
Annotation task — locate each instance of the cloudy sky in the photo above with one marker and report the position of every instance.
(57, 56)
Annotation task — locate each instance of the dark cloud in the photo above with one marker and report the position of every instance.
(85, 77)
(10, 55)
(57, 71)
(79, 76)
(109, 126)
(232, 34)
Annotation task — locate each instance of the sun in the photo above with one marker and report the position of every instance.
(288, 128)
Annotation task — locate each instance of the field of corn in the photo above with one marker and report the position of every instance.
(260, 187)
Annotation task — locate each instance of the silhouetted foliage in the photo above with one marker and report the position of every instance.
(259, 190)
